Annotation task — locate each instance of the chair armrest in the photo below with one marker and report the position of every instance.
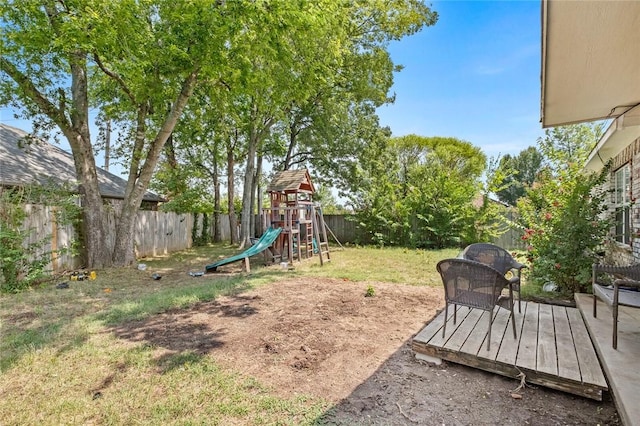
(603, 293)
(626, 283)
(517, 265)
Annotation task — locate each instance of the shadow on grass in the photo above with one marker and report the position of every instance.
(175, 337)
(186, 334)
(30, 331)
(169, 362)
(50, 320)
(21, 341)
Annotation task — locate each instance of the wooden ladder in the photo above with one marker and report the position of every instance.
(308, 239)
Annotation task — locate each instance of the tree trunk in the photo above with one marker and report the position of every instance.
(293, 133)
(247, 190)
(257, 228)
(123, 253)
(217, 232)
(93, 230)
(140, 173)
(257, 133)
(170, 152)
(233, 221)
(107, 145)
(76, 130)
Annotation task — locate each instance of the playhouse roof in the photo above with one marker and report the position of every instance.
(292, 181)
(25, 161)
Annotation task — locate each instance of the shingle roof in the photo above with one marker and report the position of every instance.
(291, 180)
(25, 162)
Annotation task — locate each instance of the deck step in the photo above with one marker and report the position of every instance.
(620, 365)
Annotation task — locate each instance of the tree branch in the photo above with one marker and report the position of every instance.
(115, 77)
(306, 154)
(225, 84)
(31, 92)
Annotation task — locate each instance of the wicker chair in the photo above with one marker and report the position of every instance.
(476, 285)
(615, 294)
(498, 258)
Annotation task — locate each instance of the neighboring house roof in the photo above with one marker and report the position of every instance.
(291, 181)
(25, 161)
(590, 60)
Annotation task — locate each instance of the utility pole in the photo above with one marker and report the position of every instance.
(107, 145)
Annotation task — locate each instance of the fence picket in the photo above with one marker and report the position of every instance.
(160, 233)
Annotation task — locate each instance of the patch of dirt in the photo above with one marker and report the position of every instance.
(323, 337)
(21, 319)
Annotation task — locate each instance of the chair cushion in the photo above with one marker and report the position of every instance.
(625, 297)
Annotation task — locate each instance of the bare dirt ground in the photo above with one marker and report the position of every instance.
(323, 337)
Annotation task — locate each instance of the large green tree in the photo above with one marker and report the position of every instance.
(517, 174)
(143, 58)
(341, 54)
(141, 61)
(420, 191)
(327, 130)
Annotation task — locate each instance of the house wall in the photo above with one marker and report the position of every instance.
(617, 253)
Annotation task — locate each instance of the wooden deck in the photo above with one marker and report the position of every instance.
(621, 366)
(552, 349)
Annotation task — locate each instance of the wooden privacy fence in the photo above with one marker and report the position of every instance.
(158, 233)
(346, 229)
(155, 233)
(225, 227)
(49, 236)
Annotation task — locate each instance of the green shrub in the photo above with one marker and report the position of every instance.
(18, 270)
(23, 262)
(563, 223)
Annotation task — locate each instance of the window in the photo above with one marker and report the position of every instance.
(621, 203)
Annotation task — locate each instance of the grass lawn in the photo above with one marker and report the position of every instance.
(56, 353)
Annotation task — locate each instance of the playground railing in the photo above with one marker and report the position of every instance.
(281, 217)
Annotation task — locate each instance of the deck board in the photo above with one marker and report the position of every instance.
(476, 343)
(476, 338)
(430, 330)
(527, 350)
(462, 333)
(547, 355)
(567, 358)
(589, 365)
(544, 350)
(440, 340)
(499, 337)
(621, 365)
(509, 349)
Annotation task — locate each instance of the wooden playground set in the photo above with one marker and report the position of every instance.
(294, 225)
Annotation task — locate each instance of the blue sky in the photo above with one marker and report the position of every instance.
(475, 76)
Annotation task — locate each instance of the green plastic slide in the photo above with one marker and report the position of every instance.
(262, 244)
